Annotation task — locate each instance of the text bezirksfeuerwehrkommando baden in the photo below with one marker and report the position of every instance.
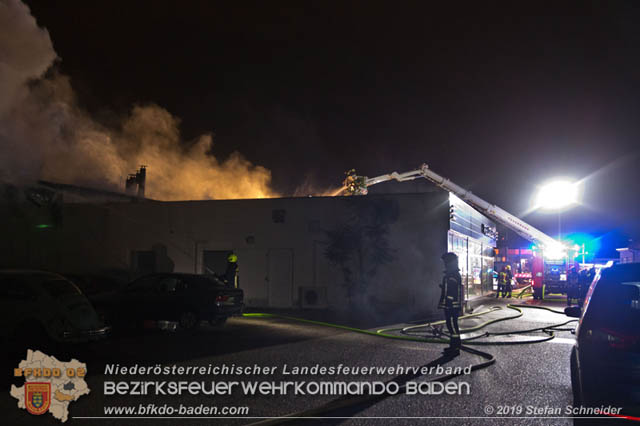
(377, 387)
(285, 369)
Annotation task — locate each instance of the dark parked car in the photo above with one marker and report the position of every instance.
(181, 299)
(94, 284)
(37, 307)
(605, 361)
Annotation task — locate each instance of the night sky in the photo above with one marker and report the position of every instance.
(496, 96)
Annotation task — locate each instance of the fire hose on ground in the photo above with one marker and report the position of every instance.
(409, 334)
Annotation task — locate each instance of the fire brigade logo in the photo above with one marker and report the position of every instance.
(37, 397)
(50, 385)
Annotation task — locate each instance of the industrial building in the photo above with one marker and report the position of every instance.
(630, 254)
(381, 251)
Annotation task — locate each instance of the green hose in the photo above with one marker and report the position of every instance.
(523, 290)
(385, 332)
(440, 322)
(489, 359)
(380, 333)
(469, 330)
(545, 308)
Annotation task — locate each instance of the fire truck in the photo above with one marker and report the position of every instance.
(551, 261)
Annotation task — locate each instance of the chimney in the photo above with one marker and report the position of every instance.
(130, 184)
(138, 181)
(141, 177)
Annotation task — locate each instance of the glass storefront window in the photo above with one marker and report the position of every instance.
(487, 268)
(476, 264)
(474, 284)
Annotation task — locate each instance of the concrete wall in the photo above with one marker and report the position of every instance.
(102, 237)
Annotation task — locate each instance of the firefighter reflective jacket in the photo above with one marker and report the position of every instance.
(502, 277)
(451, 295)
(231, 274)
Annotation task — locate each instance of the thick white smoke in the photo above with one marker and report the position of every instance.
(45, 135)
(25, 52)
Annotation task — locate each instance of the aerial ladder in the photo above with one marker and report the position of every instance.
(550, 269)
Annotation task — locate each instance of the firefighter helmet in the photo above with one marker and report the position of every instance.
(232, 258)
(508, 267)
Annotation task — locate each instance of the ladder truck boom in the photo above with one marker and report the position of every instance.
(357, 185)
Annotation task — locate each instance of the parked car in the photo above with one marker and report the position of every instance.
(94, 284)
(36, 306)
(182, 299)
(605, 360)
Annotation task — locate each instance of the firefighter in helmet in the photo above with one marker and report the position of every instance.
(508, 280)
(231, 273)
(451, 300)
(502, 282)
(573, 286)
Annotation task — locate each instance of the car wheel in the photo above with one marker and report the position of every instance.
(218, 322)
(188, 320)
(577, 393)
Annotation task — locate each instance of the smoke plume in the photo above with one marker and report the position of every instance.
(44, 134)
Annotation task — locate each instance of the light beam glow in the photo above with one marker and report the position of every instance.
(555, 252)
(557, 195)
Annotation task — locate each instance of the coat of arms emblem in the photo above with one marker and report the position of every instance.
(37, 397)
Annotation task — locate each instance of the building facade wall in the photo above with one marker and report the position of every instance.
(281, 245)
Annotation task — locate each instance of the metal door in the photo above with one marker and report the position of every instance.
(214, 261)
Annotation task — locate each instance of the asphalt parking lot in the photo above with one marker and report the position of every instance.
(528, 383)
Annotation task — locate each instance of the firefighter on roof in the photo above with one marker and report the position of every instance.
(451, 300)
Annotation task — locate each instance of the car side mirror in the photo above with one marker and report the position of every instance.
(573, 311)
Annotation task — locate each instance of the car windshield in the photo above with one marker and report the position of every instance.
(615, 304)
(60, 288)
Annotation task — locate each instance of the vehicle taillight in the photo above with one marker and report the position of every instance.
(222, 298)
(617, 340)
